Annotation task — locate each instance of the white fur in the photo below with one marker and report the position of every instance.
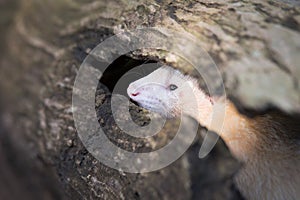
(271, 159)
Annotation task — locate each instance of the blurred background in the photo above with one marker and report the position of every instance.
(255, 44)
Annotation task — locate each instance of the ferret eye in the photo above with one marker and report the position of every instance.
(172, 87)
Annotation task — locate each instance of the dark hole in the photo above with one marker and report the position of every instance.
(118, 69)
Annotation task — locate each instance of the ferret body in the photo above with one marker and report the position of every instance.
(268, 145)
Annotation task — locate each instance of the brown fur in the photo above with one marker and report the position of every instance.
(268, 146)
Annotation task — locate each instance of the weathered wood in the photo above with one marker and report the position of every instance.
(254, 43)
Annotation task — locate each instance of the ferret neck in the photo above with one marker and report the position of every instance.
(199, 106)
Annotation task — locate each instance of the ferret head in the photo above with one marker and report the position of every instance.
(164, 91)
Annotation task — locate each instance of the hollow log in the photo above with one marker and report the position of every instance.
(255, 44)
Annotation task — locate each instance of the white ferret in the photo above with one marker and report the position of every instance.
(268, 144)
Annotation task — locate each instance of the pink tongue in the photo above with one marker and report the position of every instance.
(135, 94)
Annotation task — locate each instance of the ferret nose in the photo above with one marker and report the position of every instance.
(132, 91)
(135, 94)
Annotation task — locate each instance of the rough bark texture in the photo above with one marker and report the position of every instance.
(255, 44)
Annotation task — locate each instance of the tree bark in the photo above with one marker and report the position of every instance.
(255, 44)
